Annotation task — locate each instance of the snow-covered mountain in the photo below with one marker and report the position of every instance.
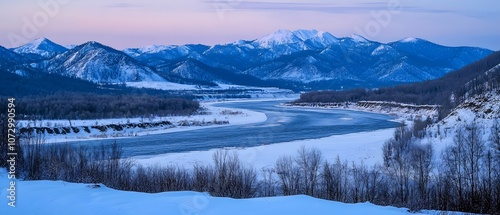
(98, 63)
(300, 59)
(307, 39)
(319, 59)
(42, 47)
(159, 55)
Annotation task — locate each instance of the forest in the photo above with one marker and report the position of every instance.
(49, 96)
(94, 106)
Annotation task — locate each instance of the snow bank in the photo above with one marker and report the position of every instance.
(57, 197)
(401, 110)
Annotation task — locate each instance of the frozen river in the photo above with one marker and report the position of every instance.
(283, 124)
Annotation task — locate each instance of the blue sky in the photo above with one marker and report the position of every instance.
(128, 23)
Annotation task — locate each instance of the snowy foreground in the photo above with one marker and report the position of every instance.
(57, 197)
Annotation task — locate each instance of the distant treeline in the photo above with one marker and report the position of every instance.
(34, 83)
(96, 106)
(460, 84)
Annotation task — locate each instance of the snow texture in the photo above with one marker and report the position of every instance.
(58, 197)
(481, 110)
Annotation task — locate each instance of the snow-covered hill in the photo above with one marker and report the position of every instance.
(58, 197)
(98, 63)
(481, 110)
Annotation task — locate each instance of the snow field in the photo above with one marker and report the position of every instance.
(58, 197)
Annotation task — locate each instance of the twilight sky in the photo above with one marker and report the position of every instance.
(128, 23)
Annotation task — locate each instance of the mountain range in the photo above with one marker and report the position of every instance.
(299, 60)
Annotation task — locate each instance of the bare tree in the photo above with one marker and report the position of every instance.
(33, 155)
(453, 157)
(289, 175)
(231, 178)
(421, 167)
(495, 137)
(335, 177)
(462, 162)
(396, 154)
(309, 161)
(268, 183)
(201, 177)
(474, 152)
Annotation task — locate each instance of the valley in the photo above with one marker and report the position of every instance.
(279, 125)
(409, 123)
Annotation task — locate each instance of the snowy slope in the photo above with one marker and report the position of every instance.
(481, 110)
(279, 37)
(57, 197)
(98, 63)
(303, 37)
(169, 51)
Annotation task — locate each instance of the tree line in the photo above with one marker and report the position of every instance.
(95, 106)
(464, 177)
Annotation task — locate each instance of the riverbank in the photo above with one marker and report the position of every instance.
(400, 110)
(209, 116)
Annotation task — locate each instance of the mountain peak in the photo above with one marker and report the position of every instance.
(39, 43)
(279, 37)
(358, 38)
(93, 61)
(40, 46)
(413, 41)
(409, 40)
(94, 44)
(40, 40)
(155, 48)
